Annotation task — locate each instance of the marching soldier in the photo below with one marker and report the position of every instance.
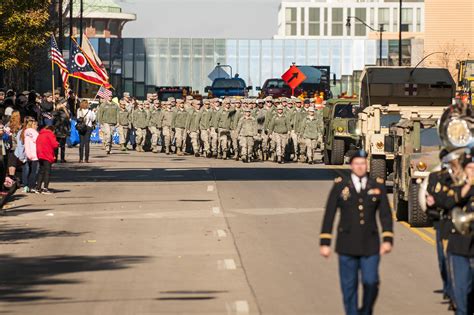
(310, 133)
(279, 128)
(214, 126)
(205, 127)
(165, 125)
(178, 125)
(192, 126)
(123, 124)
(319, 119)
(299, 116)
(247, 129)
(360, 199)
(107, 116)
(234, 135)
(140, 119)
(268, 111)
(154, 125)
(224, 121)
(259, 114)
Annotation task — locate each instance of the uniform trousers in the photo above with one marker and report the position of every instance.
(349, 268)
(280, 140)
(223, 138)
(234, 136)
(194, 135)
(310, 145)
(141, 134)
(107, 130)
(214, 140)
(168, 136)
(294, 139)
(123, 133)
(462, 273)
(155, 135)
(206, 140)
(180, 134)
(246, 145)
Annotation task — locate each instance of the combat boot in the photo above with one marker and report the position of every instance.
(123, 147)
(179, 152)
(224, 155)
(265, 156)
(236, 156)
(278, 159)
(197, 154)
(155, 150)
(167, 151)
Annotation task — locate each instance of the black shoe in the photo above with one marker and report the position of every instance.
(197, 155)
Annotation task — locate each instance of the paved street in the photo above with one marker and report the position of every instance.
(137, 233)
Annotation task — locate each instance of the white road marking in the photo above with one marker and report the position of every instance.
(216, 210)
(210, 188)
(221, 233)
(241, 307)
(50, 215)
(226, 264)
(275, 211)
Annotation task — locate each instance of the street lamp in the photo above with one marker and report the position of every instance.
(380, 31)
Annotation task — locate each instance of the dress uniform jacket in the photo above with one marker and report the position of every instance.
(459, 244)
(357, 233)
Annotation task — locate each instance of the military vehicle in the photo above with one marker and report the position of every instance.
(177, 92)
(388, 93)
(340, 136)
(415, 144)
(466, 77)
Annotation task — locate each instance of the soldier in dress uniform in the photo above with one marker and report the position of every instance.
(360, 200)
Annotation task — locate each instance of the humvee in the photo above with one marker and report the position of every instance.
(388, 93)
(340, 137)
(415, 145)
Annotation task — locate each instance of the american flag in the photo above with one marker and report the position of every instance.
(104, 93)
(58, 59)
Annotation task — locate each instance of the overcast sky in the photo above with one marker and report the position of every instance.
(202, 18)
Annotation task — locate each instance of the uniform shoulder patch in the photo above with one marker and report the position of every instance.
(379, 180)
(338, 179)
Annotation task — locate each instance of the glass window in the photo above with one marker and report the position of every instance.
(418, 19)
(196, 63)
(388, 120)
(174, 62)
(266, 60)
(324, 52)
(290, 21)
(336, 55)
(232, 54)
(139, 75)
(151, 46)
(384, 17)
(347, 47)
(337, 21)
(395, 20)
(209, 63)
(99, 27)
(326, 21)
(302, 24)
(163, 54)
(407, 19)
(243, 65)
(312, 52)
(314, 22)
(429, 137)
(360, 29)
(290, 46)
(343, 111)
(128, 58)
(185, 68)
(228, 83)
(277, 69)
(372, 17)
(300, 52)
(254, 77)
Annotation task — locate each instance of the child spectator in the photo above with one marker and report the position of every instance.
(46, 144)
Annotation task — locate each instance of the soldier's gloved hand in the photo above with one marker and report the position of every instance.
(325, 251)
(430, 201)
(385, 248)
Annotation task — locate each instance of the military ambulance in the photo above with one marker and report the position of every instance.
(390, 93)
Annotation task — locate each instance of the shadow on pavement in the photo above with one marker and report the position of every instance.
(24, 279)
(279, 173)
(15, 234)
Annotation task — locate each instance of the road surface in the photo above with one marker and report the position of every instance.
(139, 233)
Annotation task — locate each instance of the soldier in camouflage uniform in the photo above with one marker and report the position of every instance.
(259, 114)
(178, 124)
(192, 126)
(165, 125)
(234, 135)
(319, 119)
(247, 130)
(279, 128)
(123, 124)
(155, 125)
(216, 109)
(266, 137)
(205, 127)
(223, 122)
(107, 117)
(298, 118)
(140, 119)
(310, 132)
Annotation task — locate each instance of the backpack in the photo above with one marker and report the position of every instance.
(81, 125)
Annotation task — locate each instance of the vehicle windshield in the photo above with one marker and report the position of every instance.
(276, 84)
(429, 137)
(388, 120)
(344, 111)
(228, 84)
(165, 95)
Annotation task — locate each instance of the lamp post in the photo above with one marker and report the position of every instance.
(400, 34)
(380, 31)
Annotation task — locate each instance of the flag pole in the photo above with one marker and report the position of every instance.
(96, 94)
(52, 79)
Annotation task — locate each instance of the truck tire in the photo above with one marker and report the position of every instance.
(337, 152)
(400, 206)
(378, 168)
(416, 216)
(327, 157)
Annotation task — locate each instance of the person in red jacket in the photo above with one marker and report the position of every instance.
(46, 144)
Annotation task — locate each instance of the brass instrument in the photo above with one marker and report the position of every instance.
(462, 221)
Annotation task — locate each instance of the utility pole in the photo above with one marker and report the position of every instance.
(400, 34)
(71, 3)
(81, 21)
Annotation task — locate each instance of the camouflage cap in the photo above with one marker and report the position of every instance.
(206, 101)
(268, 99)
(189, 98)
(180, 101)
(171, 99)
(311, 110)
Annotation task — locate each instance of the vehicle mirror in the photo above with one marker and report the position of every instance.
(258, 88)
(334, 81)
(206, 89)
(249, 88)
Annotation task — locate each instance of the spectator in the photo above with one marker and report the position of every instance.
(13, 127)
(88, 116)
(47, 109)
(46, 144)
(62, 128)
(3, 153)
(28, 137)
